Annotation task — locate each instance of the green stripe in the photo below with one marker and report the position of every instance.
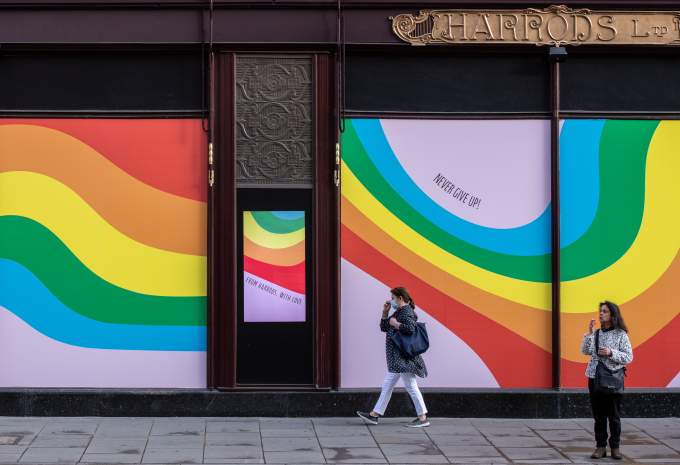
(623, 157)
(530, 268)
(277, 225)
(40, 251)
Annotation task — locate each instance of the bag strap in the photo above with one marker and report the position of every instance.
(597, 340)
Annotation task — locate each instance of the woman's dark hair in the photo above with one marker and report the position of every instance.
(403, 293)
(617, 318)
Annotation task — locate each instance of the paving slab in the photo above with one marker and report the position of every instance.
(290, 444)
(233, 427)
(354, 455)
(455, 440)
(61, 440)
(470, 451)
(650, 452)
(534, 455)
(233, 439)
(167, 456)
(229, 453)
(109, 445)
(509, 441)
(294, 457)
(52, 454)
(347, 441)
(111, 458)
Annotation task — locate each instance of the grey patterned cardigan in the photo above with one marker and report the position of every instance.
(617, 340)
(396, 362)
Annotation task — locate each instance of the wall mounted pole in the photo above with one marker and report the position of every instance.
(556, 55)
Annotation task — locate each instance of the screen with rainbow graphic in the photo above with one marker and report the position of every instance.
(274, 267)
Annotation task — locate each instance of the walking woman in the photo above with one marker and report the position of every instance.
(609, 345)
(398, 366)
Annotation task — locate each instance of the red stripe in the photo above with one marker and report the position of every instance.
(514, 361)
(290, 277)
(168, 154)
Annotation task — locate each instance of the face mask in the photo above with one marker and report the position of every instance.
(393, 302)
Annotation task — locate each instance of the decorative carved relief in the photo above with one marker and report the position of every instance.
(274, 121)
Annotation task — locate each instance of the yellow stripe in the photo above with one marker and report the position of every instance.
(253, 231)
(104, 250)
(649, 256)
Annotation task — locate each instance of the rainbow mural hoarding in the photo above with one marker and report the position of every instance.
(624, 197)
(274, 267)
(459, 212)
(103, 249)
(102, 253)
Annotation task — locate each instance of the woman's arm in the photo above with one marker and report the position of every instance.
(587, 344)
(384, 324)
(407, 320)
(623, 355)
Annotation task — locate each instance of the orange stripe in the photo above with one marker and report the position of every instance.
(645, 315)
(139, 211)
(531, 324)
(287, 256)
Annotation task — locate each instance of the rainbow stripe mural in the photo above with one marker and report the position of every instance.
(458, 211)
(274, 266)
(102, 253)
(626, 190)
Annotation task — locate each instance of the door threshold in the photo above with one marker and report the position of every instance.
(273, 387)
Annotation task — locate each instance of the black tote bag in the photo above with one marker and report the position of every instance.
(607, 381)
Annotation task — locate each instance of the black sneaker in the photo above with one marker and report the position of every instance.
(418, 423)
(368, 418)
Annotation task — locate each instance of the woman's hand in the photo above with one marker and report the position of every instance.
(591, 325)
(604, 352)
(386, 309)
(394, 323)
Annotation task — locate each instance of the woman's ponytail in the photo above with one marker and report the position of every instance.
(403, 293)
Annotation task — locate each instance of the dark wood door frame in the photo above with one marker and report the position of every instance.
(222, 259)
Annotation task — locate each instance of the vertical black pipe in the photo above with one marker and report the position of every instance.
(556, 55)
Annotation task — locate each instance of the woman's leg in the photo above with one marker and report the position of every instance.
(614, 417)
(599, 408)
(386, 393)
(411, 385)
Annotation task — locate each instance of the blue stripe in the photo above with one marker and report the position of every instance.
(579, 162)
(579, 177)
(25, 296)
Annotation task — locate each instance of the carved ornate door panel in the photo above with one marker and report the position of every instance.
(274, 288)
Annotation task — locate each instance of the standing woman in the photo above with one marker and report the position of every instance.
(615, 351)
(398, 366)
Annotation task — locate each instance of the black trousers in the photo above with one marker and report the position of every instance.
(606, 407)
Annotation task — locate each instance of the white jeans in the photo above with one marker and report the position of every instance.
(411, 386)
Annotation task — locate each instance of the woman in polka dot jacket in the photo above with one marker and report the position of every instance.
(398, 366)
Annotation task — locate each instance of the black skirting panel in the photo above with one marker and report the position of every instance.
(101, 81)
(463, 404)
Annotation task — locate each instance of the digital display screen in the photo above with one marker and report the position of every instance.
(274, 266)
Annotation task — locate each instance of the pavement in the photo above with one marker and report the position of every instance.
(32, 440)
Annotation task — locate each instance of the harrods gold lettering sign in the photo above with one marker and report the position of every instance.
(556, 25)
